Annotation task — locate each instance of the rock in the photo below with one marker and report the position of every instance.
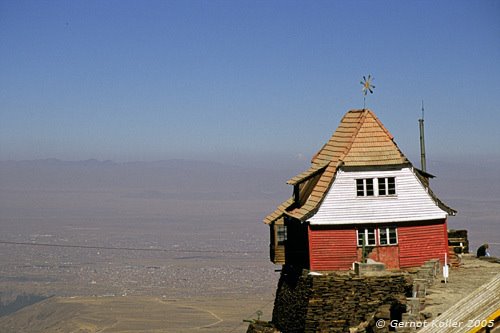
(261, 327)
(426, 315)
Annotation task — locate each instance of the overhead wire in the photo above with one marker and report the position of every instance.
(96, 247)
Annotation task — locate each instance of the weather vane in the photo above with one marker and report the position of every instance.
(367, 87)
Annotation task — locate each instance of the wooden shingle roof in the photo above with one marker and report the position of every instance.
(360, 140)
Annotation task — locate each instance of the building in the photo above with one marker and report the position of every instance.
(360, 194)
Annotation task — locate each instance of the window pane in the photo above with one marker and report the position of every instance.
(391, 185)
(369, 187)
(370, 236)
(359, 188)
(383, 236)
(393, 238)
(381, 186)
(360, 237)
(281, 233)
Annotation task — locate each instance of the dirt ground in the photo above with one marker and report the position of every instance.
(136, 314)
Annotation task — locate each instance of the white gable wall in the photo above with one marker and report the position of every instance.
(411, 202)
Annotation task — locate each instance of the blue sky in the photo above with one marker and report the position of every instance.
(242, 80)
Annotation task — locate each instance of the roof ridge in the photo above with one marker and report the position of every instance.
(380, 124)
(345, 121)
(353, 137)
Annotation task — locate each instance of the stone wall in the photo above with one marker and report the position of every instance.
(338, 302)
(292, 300)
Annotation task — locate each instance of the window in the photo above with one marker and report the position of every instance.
(281, 234)
(368, 235)
(360, 187)
(364, 187)
(382, 189)
(369, 187)
(391, 185)
(387, 236)
(386, 186)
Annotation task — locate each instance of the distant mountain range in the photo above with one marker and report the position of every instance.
(457, 180)
(478, 178)
(156, 179)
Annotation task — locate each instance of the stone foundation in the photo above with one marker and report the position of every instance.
(338, 302)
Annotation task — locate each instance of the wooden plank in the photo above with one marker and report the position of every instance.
(482, 304)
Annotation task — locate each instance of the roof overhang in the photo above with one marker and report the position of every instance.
(424, 174)
(385, 167)
(309, 173)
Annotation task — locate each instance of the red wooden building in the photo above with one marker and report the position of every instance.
(359, 189)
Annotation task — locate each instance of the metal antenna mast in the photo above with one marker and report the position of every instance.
(423, 166)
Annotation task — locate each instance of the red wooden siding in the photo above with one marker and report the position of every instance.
(331, 249)
(419, 243)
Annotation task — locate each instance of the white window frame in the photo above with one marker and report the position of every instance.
(367, 239)
(385, 181)
(376, 241)
(388, 236)
(365, 187)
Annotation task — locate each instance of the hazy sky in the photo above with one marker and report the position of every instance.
(150, 80)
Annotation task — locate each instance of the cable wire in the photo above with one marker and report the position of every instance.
(95, 247)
